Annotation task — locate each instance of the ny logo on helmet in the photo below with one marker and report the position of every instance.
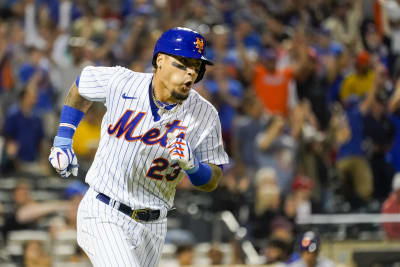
(199, 44)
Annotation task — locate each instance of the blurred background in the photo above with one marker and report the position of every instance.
(308, 94)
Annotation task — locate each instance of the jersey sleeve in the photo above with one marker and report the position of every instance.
(211, 148)
(94, 82)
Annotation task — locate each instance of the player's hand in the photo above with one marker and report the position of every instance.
(63, 160)
(180, 151)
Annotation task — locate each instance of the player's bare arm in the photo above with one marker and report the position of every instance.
(216, 175)
(75, 100)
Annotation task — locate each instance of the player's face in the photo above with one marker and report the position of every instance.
(179, 74)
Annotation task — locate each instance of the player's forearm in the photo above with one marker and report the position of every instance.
(271, 134)
(75, 100)
(212, 184)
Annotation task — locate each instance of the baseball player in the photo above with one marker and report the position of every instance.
(156, 131)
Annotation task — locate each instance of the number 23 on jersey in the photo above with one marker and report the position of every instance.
(159, 165)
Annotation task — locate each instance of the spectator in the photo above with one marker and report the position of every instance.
(345, 21)
(282, 228)
(27, 212)
(24, 133)
(351, 162)
(337, 69)
(389, 20)
(379, 135)
(394, 109)
(246, 128)
(185, 254)
(277, 252)
(244, 26)
(311, 87)
(35, 255)
(313, 158)
(277, 149)
(326, 46)
(36, 72)
(89, 26)
(265, 204)
(227, 93)
(392, 206)
(215, 255)
(302, 188)
(375, 44)
(274, 87)
(361, 81)
(309, 252)
(221, 50)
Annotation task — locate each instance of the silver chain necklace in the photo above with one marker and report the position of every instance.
(160, 107)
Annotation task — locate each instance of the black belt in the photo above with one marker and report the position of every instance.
(145, 215)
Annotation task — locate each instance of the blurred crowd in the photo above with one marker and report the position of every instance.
(308, 94)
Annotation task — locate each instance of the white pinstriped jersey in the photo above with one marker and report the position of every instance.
(131, 163)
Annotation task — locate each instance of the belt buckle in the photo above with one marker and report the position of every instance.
(135, 212)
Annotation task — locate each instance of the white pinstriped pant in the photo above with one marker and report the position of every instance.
(111, 238)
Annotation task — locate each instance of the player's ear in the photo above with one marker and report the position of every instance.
(160, 60)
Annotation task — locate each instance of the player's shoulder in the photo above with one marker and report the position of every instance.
(196, 101)
(114, 70)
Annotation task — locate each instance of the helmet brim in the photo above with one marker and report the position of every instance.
(208, 62)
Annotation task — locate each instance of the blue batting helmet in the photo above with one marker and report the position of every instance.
(309, 242)
(182, 42)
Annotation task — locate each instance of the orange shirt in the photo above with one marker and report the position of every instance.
(273, 88)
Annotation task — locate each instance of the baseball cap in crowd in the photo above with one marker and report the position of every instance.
(363, 58)
(75, 188)
(309, 242)
(396, 182)
(302, 182)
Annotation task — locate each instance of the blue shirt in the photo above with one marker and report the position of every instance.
(334, 89)
(226, 112)
(394, 154)
(26, 131)
(45, 94)
(354, 146)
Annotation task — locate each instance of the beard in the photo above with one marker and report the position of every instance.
(178, 96)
